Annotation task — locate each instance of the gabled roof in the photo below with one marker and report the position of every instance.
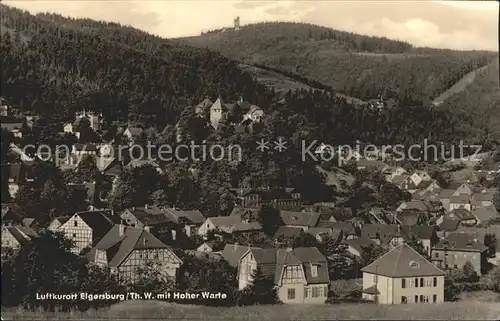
(135, 131)
(98, 221)
(219, 104)
(288, 231)
(191, 216)
(426, 184)
(306, 219)
(449, 224)
(386, 232)
(345, 227)
(421, 232)
(21, 234)
(273, 261)
(233, 252)
(460, 199)
(402, 261)
(205, 104)
(461, 214)
(416, 205)
(148, 216)
(399, 179)
(118, 247)
(234, 223)
(461, 242)
(446, 193)
(359, 243)
(485, 214)
(483, 197)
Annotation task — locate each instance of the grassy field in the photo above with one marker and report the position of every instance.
(159, 310)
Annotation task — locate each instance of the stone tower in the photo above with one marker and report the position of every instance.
(237, 23)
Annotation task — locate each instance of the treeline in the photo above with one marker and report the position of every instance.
(267, 32)
(124, 74)
(386, 67)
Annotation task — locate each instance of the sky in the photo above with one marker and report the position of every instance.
(463, 25)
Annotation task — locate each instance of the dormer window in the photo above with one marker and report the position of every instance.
(414, 264)
(314, 270)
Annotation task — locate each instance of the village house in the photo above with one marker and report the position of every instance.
(95, 119)
(287, 233)
(346, 229)
(399, 180)
(254, 114)
(57, 222)
(86, 228)
(410, 217)
(232, 253)
(414, 205)
(371, 165)
(211, 246)
(216, 112)
(189, 220)
(84, 149)
(18, 174)
(13, 237)
(285, 199)
(300, 275)
(355, 246)
(460, 201)
(465, 217)
(427, 234)
(125, 249)
(136, 163)
(202, 108)
(403, 276)
(420, 176)
(483, 199)
(303, 220)
(4, 107)
(485, 214)
(383, 234)
(133, 133)
(393, 171)
(428, 186)
(409, 185)
(457, 249)
(154, 219)
(233, 224)
(14, 128)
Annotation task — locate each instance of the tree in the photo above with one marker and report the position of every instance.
(469, 273)
(341, 264)
(270, 219)
(43, 265)
(151, 277)
(390, 195)
(203, 274)
(418, 246)
(98, 281)
(453, 286)
(370, 253)
(260, 291)
(490, 241)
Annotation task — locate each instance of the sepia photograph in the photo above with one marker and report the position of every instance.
(250, 160)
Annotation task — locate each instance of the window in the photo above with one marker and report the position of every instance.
(291, 294)
(435, 281)
(416, 298)
(424, 298)
(416, 282)
(404, 299)
(436, 254)
(421, 282)
(411, 283)
(75, 222)
(434, 298)
(320, 292)
(428, 282)
(455, 266)
(74, 235)
(403, 283)
(314, 270)
(314, 292)
(306, 294)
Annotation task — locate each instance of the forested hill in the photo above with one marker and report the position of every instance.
(55, 65)
(359, 66)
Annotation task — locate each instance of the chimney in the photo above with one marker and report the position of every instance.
(133, 208)
(289, 249)
(121, 229)
(146, 228)
(146, 206)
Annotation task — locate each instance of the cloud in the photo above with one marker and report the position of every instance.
(463, 25)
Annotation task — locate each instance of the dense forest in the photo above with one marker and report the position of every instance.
(124, 73)
(360, 66)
